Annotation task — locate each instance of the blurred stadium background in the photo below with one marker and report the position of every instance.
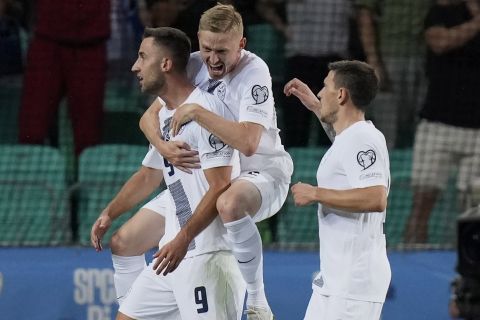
(49, 197)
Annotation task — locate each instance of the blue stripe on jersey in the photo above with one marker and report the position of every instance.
(183, 210)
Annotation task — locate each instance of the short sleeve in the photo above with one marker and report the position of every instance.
(256, 102)
(153, 159)
(365, 166)
(213, 151)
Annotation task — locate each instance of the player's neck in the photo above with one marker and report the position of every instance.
(176, 92)
(347, 118)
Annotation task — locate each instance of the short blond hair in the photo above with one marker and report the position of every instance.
(222, 18)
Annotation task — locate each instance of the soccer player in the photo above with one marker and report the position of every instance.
(242, 81)
(353, 181)
(208, 284)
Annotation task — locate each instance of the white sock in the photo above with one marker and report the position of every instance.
(126, 270)
(247, 249)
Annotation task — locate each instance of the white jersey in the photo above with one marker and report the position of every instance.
(247, 91)
(187, 190)
(353, 257)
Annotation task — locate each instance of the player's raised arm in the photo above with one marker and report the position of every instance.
(300, 90)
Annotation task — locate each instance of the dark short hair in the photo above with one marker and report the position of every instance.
(174, 40)
(358, 78)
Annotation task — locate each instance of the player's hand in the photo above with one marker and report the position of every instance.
(99, 228)
(183, 114)
(180, 155)
(303, 194)
(169, 257)
(303, 93)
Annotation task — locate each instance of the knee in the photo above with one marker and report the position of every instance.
(229, 208)
(118, 245)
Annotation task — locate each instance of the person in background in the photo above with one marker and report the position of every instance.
(13, 38)
(318, 33)
(67, 58)
(391, 36)
(448, 135)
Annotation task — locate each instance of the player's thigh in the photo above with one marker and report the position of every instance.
(273, 193)
(210, 286)
(144, 230)
(336, 308)
(151, 297)
(432, 156)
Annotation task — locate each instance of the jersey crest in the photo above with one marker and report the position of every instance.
(221, 90)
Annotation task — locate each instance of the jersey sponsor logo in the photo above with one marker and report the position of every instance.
(253, 173)
(259, 94)
(216, 143)
(366, 159)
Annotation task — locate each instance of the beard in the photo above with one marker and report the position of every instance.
(153, 87)
(330, 118)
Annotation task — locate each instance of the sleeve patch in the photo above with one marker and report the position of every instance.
(366, 159)
(259, 94)
(216, 143)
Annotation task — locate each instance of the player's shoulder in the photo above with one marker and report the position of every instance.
(250, 65)
(366, 134)
(209, 101)
(195, 64)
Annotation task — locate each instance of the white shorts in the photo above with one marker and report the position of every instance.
(161, 203)
(208, 286)
(273, 192)
(439, 149)
(336, 308)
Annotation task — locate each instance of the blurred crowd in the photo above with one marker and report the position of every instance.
(297, 38)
